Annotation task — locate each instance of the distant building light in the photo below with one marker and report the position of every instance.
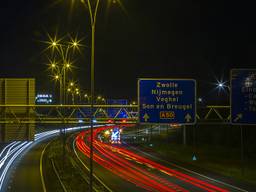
(44, 98)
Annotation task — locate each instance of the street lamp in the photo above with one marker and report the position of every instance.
(67, 65)
(56, 77)
(93, 15)
(99, 98)
(87, 98)
(93, 23)
(200, 99)
(221, 85)
(74, 91)
(60, 75)
(61, 51)
(53, 65)
(79, 95)
(223, 91)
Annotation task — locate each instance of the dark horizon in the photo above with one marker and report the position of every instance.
(200, 40)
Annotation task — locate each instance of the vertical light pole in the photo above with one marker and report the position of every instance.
(65, 66)
(63, 54)
(93, 15)
(93, 23)
(87, 98)
(58, 78)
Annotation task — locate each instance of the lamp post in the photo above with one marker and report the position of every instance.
(78, 94)
(74, 91)
(93, 15)
(223, 88)
(86, 98)
(62, 52)
(60, 75)
(58, 78)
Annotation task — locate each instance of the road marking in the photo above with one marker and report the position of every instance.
(41, 167)
(215, 180)
(56, 172)
(89, 169)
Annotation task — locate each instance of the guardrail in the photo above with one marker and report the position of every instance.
(73, 114)
(68, 114)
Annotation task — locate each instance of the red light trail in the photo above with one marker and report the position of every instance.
(133, 167)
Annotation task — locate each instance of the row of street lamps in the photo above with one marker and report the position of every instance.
(61, 62)
(60, 69)
(63, 52)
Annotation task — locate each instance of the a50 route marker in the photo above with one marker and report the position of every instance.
(170, 101)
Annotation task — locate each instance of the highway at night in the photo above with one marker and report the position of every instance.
(117, 167)
(21, 163)
(127, 96)
(140, 173)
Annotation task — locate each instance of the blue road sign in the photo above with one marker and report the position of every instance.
(112, 112)
(243, 96)
(169, 101)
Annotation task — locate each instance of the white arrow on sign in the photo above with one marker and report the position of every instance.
(239, 116)
(146, 117)
(188, 117)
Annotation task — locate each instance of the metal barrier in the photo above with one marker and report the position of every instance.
(74, 114)
(71, 114)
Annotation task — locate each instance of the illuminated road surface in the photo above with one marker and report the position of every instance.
(140, 173)
(117, 168)
(19, 163)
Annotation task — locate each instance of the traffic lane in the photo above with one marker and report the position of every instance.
(136, 171)
(111, 180)
(203, 175)
(158, 177)
(132, 177)
(26, 176)
(134, 174)
(16, 149)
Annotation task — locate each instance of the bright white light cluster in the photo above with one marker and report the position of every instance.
(44, 98)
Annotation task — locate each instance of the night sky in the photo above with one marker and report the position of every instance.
(161, 39)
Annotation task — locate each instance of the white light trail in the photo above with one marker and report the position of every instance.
(13, 150)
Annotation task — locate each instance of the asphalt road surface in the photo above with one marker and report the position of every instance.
(26, 175)
(116, 167)
(123, 169)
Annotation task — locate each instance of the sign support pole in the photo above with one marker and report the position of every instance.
(138, 134)
(242, 149)
(151, 130)
(184, 135)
